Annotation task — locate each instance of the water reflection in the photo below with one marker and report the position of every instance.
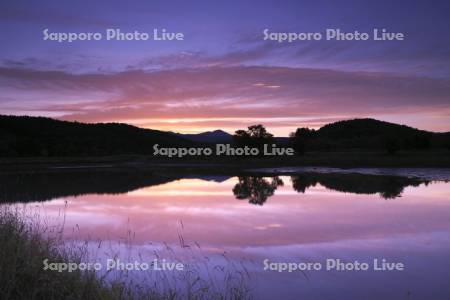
(43, 186)
(338, 216)
(387, 187)
(255, 188)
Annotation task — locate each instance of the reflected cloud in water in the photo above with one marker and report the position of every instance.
(302, 217)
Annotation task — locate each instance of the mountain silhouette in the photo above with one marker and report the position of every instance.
(38, 136)
(24, 136)
(367, 128)
(213, 137)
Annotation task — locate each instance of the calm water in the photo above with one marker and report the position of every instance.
(301, 218)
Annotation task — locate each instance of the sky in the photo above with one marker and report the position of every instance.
(223, 74)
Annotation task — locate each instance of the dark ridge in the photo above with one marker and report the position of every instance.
(366, 128)
(23, 136)
(212, 137)
(38, 136)
(369, 135)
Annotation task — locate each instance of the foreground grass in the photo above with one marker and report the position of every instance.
(24, 247)
(22, 251)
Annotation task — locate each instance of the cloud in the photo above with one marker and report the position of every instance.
(48, 14)
(230, 94)
(200, 59)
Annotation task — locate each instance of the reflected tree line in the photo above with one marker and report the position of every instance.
(256, 189)
(43, 186)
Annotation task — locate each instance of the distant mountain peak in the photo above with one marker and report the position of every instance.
(215, 132)
(216, 136)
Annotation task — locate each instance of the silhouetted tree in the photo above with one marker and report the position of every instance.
(256, 188)
(298, 139)
(241, 137)
(255, 136)
(301, 182)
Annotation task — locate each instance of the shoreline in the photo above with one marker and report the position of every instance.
(343, 160)
(31, 255)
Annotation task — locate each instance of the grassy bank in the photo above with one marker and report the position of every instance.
(24, 246)
(22, 252)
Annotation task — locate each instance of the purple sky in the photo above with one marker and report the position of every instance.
(223, 74)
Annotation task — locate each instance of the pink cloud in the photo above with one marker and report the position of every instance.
(225, 96)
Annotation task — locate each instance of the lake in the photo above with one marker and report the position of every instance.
(248, 225)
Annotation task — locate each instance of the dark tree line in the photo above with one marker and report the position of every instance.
(36, 136)
(366, 134)
(257, 189)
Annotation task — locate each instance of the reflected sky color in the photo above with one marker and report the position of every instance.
(290, 226)
(211, 215)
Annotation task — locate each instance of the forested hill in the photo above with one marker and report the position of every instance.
(367, 128)
(369, 134)
(38, 136)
